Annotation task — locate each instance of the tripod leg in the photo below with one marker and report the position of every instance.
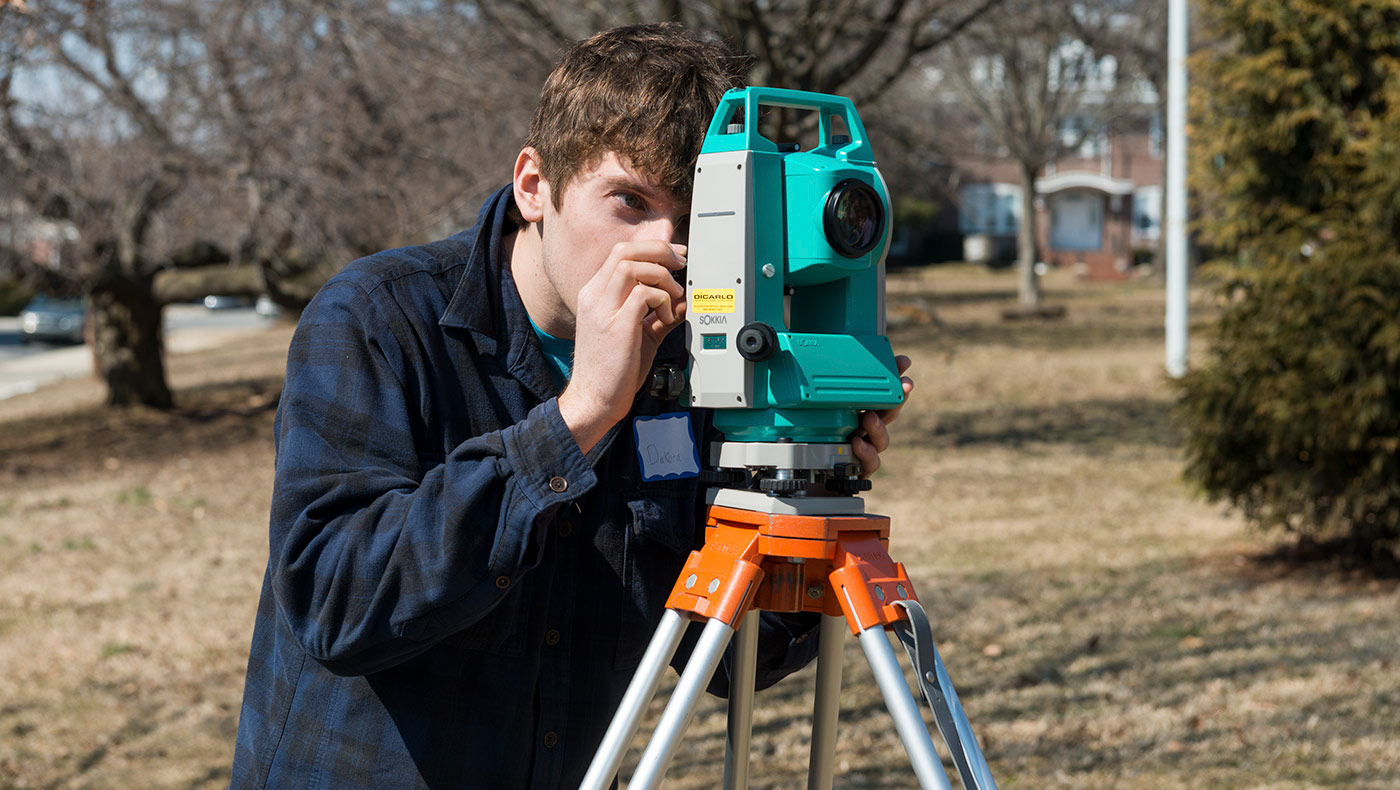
(822, 768)
(669, 731)
(938, 689)
(743, 671)
(908, 723)
(639, 693)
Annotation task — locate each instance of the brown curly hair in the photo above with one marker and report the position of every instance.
(644, 92)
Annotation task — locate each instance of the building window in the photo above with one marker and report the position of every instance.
(1083, 136)
(1147, 213)
(993, 209)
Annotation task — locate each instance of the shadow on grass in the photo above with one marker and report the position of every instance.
(1056, 335)
(1097, 425)
(210, 418)
(1027, 335)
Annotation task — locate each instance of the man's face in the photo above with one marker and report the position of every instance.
(604, 206)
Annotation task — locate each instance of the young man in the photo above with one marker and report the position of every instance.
(465, 563)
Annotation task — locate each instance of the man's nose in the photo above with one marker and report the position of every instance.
(668, 229)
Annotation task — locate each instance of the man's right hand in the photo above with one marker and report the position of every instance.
(624, 312)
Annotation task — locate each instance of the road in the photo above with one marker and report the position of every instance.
(25, 368)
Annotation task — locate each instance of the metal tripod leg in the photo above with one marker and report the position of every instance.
(681, 708)
(908, 722)
(743, 671)
(821, 771)
(639, 694)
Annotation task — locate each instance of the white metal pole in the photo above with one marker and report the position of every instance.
(1178, 275)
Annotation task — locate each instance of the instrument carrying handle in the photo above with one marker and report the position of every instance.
(831, 108)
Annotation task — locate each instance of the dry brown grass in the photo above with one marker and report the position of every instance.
(1105, 627)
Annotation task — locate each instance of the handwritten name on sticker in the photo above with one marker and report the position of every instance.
(666, 447)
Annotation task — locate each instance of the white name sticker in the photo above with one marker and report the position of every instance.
(666, 447)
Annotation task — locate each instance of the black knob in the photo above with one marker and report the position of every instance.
(757, 341)
(775, 485)
(847, 485)
(725, 478)
(666, 382)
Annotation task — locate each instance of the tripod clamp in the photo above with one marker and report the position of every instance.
(948, 715)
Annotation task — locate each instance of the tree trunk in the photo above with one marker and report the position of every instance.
(127, 344)
(1028, 289)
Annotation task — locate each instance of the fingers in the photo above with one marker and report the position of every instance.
(902, 364)
(644, 300)
(867, 455)
(873, 431)
(872, 436)
(646, 262)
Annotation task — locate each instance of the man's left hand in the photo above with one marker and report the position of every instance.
(872, 436)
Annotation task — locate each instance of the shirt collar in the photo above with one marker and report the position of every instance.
(487, 303)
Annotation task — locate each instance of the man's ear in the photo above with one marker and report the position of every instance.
(531, 190)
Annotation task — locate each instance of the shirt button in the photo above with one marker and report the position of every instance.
(565, 528)
(558, 484)
(502, 582)
(551, 637)
(550, 739)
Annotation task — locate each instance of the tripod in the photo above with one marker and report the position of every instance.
(755, 559)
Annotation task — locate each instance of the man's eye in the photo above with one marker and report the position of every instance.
(630, 200)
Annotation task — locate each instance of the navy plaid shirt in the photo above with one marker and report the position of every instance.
(455, 595)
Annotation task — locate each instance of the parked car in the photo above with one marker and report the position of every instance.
(46, 318)
(219, 302)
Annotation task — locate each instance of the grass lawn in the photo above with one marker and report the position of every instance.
(1105, 626)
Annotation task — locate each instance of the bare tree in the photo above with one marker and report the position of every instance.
(355, 126)
(857, 48)
(289, 134)
(102, 149)
(1022, 72)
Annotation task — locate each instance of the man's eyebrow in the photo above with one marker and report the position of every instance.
(638, 185)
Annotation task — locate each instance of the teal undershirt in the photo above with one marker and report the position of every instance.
(558, 352)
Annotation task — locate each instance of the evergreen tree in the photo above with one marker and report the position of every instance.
(1295, 418)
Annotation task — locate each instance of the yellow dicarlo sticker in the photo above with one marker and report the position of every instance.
(712, 300)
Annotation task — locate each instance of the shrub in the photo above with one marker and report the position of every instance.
(1296, 417)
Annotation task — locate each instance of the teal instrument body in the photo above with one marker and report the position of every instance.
(785, 281)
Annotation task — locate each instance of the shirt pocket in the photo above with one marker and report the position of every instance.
(661, 533)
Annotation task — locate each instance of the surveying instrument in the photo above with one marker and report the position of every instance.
(785, 327)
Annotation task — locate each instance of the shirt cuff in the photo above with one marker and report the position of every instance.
(548, 465)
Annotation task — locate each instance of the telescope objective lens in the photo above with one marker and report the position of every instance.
(854, 218)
